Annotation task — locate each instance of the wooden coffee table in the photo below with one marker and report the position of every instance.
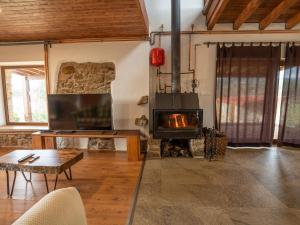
(50, 162)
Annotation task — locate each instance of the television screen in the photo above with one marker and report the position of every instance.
(80, 111)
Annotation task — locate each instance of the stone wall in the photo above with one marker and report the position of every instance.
(154, 151)
(197, 147)
(16, 140)
(87, 78)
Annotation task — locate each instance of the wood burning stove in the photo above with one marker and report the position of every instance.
(177, 116)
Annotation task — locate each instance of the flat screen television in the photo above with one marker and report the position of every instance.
(71, 112)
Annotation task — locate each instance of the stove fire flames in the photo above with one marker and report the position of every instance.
(176, 121)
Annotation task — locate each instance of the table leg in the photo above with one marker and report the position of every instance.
(56, 178)
(46, 181)
(13, 185)
(69, 177)
(70, 173)
(10, 191)
(7, 182)
(27, 180)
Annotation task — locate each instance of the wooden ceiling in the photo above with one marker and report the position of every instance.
(263, 12)
(39, 20)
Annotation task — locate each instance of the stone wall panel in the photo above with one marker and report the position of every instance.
(88, 78)
(16, 140)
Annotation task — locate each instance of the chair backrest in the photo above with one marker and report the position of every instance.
(60, 207)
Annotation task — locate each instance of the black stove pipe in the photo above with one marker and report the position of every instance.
(175, 46)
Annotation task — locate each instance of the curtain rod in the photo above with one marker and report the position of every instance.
(255, 43)
(26, 43)
(82, 40)
(153, 34)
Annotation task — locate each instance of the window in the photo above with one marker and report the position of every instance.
(279, 101)
(24, 91)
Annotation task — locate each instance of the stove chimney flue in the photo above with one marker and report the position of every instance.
(175, 45)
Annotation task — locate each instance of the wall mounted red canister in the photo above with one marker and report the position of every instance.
(157, 57)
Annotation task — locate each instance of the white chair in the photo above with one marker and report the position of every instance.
(60, 207)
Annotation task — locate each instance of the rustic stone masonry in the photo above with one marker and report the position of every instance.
(154, 151)
(101, 143)
(197, 147)
(15, 140)
(87, 78)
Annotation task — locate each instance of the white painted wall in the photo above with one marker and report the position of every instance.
(18, 55)
(132, 75)
(21, 53)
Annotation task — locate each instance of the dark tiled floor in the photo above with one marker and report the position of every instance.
(249, 187)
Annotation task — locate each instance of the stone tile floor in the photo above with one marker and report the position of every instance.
(248, 187)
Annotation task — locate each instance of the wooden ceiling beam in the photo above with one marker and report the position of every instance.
(292, 22)
(207, 5)
(214, 12)
(276, 12)
(246, 13)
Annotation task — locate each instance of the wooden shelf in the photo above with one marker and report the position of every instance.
(47, 140)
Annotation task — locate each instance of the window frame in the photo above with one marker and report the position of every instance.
(5, 100)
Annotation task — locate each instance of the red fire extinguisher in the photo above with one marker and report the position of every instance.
(157, 57)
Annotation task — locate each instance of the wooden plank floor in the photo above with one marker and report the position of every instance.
(106, 181)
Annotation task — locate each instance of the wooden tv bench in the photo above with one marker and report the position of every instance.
(47, 140)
